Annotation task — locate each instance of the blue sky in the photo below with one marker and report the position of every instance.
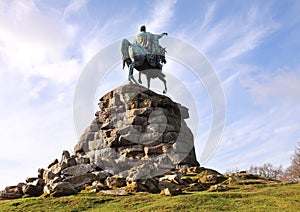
(254, 46)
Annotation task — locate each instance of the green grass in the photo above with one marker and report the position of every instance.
(277, 197)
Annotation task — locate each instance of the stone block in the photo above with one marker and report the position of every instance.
(115, 192)
(80, 181)
(101, 175)
(33, 191)
(76, 170)
(61, 189)
(71, 162)
(170, 137)
(150, 138)
(115, 182)
(83, 160)
(171, 192)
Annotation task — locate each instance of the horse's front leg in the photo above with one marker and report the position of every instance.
(140, 79)
(165, 91)
(130, 74)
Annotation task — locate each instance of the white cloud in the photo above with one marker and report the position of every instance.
(37, 83)
(214, 35)
(94, 41)
(31, 41)
(266, 131)
(282, 86)
(99, 36)
(162, 12)
(73, 7)
(34, 93)
(226, 39)
(209, 15)
(249, 33)
(32, 137)
(268, 137)
(245, 43)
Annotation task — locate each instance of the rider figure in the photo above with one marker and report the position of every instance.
(150, 41)
(144, 55)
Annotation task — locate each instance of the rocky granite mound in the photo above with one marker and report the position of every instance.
(139, 133)
(138, 141)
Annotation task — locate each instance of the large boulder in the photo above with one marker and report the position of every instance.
(115, 182)
(60, 189)
(210, 176)
(79, 182)
(12, 192)
(143, 185)
(32, 190)
(77, 170)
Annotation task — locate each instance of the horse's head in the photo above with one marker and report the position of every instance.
(126, 61)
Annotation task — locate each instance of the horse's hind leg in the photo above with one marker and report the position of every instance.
(162, 78)
(148, 82)
(140, 80)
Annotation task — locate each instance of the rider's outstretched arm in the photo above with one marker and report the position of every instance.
(159, 36)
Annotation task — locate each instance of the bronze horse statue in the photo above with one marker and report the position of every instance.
(137, 57)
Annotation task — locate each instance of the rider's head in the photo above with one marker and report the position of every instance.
(143, 28)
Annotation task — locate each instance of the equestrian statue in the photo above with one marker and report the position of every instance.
(145, 55)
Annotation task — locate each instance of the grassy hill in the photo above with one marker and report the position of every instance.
(252, 197)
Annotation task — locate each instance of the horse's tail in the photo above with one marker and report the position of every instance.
(123, 64)
(124, 50)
